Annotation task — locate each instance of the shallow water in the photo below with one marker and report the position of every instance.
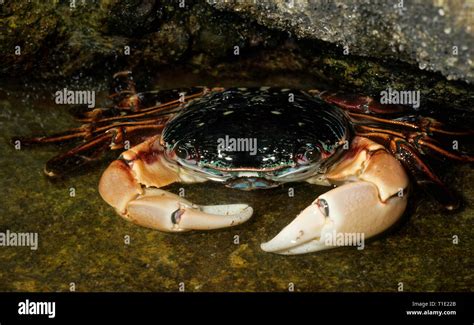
(82, 240)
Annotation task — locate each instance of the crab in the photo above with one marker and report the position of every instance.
(367, 152)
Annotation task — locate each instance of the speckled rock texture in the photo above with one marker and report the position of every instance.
(54, 42)
(436, 35)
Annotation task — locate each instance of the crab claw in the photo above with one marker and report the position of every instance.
(130, 185)
(165, 211)
(353, 209)
(304, 228)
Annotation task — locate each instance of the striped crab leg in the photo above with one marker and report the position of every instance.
(108, 128)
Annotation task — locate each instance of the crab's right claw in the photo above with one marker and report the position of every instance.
(158, 209)
(143, 203)
(165, 211)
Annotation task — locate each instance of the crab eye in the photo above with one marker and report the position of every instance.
(305, 155)
(182, 153)
(187, 153)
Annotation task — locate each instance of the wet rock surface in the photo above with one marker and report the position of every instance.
(53, 40)
(434, 35)
(225, 40)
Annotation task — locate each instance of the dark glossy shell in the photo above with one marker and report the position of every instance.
(281, 120)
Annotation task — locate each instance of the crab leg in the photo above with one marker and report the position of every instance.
(358, 104)
(94, 147)
(420, 141)
(369, 110)
(370, 199)
(165, 107)
(421, 124)
(148, 206)
(87, 132)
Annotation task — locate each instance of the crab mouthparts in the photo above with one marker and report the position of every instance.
(250, 183)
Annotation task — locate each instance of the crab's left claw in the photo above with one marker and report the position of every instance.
(304, 230)
(352, 212)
